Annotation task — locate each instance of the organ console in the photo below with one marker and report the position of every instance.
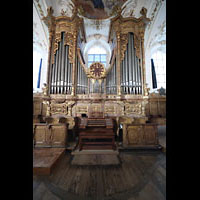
(96, 133)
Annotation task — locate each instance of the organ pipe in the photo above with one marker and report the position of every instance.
(130, 63)
(62, 64)
(61, 79)
(131, 70)
(56, 70)
(59, 63)
(65, 69)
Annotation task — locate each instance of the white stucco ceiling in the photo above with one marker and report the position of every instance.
(98, 34)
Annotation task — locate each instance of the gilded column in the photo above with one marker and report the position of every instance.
(118, 64)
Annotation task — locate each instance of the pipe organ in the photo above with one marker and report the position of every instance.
(67, 73)
(73, 88)
(131, 69)
(118, 91)
(61, 69)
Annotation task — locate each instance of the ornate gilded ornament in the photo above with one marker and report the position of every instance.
(69, 41)
(97, 70)
(58, 108)
(57, 39)
(45, 89)
(135, 108)
(123, 45)
(146, 90)
(137, 46)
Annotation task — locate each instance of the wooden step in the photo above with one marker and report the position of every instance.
(45, 159)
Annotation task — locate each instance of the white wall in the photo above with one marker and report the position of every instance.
(40, 48)
(155, 37)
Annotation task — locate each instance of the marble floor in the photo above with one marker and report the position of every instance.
(141, 176)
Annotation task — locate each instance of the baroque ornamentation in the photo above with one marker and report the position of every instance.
(135, 108)
(69, 41)
(123, 44)
(57, 39)
(49, 20)
(97, 71)
(157, 4)
(40, 8)
(137, 46)
(109, 109)
(59, 108)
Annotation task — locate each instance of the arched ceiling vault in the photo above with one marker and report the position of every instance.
(97, 25)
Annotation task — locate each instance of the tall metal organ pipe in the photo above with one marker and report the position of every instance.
(111, 81)
(61, 69)
(82, 80)
(131, 70)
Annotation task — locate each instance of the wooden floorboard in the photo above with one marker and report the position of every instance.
(45, 159)
(140, 176)
(95, 160)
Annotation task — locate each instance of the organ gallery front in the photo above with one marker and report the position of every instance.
(118, 92)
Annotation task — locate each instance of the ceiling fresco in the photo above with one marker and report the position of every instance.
(98, 9)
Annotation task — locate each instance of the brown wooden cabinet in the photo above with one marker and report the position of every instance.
(50, 135)
(140, 135)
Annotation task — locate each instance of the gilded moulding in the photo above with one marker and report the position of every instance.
(123, 45)
(57, 39)
(135, 108)
(69, 25)
(69, 41)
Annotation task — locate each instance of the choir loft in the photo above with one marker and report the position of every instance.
(99, 98)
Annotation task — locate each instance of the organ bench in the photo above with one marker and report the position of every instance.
(96, 133)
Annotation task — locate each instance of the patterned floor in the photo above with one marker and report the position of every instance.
(141, 176)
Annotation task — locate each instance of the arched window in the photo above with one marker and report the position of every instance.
(159, 59)
(97, 54)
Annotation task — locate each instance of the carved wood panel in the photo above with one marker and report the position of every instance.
(150, 133)
(50, 135)
(42, 136)
(58, 137)
(135, 135)
(135, 108)
(37, 108)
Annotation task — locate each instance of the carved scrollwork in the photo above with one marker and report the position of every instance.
(123, 44)
(137, 46)
(135, 108)
(69, 41)
(82, 109)
(110, 109)
(57, 39)
(61, 108)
